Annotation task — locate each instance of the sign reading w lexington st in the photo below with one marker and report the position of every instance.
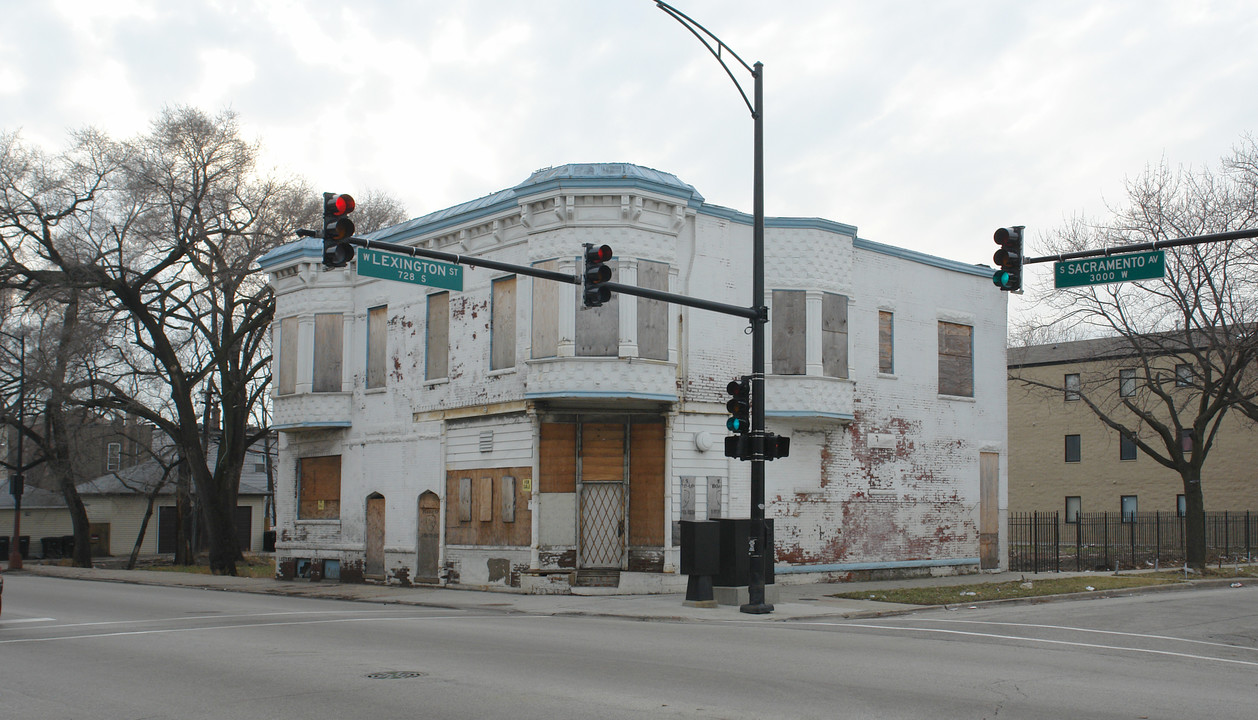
(403, 268)
(1113, 268)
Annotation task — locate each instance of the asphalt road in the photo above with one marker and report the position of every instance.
(76, 649)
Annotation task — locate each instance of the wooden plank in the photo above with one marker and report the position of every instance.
(956, 362)
(790, 329)
(602, 452)
(886, 341)
(437, 333)
(507, 496)
(328, 351)
(646, 484)
(465, 499)
(502, 332)
(598, 329)
(288, 356)
(988, 510)
(374, 565)
(377, 346)
(319, 492)
(546, 313)
(834, 335)
(652, 314)
(557, 463)
(485, 499)
(496, 530)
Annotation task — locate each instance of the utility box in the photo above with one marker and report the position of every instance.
(735, 570)
(700, 547)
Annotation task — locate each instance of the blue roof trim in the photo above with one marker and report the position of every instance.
(921, 257)
(791, 223)
(589, 394)
(305, 247)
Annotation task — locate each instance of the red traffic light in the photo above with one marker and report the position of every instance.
(337, 205)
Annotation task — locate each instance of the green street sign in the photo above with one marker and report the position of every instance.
(404, 268)
(1110, 269)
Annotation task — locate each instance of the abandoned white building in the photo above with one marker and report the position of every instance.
(496, 432)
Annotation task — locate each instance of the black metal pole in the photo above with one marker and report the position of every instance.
(19, 482)
(760, 555)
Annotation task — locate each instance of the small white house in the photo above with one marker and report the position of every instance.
(497, 433)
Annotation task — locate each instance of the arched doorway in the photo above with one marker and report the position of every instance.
(429, 540)
(374, 567)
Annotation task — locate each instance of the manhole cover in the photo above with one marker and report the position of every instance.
(395, 675)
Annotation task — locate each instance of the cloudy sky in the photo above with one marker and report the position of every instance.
(926, 124)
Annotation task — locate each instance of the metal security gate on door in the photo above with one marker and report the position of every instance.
(602, 492)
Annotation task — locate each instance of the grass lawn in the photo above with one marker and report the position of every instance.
(1036, 586)
(254, 566)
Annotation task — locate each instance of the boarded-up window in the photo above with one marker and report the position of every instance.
(377, 329)
(557, 459)
(653, 314)
(956, 359)
(502, 332)
(790, 329)
(319, 488)
(492, 507)
(886, 342)
(328, 351)
(437, 348)
(598, 329)
(834, 335)
(646, 484)
(485, 499)
(288, 356)
(602, 452)
(546, 313)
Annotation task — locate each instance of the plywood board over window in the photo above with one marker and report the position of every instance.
(653, 314)
(502, 333)
(557, 459)
(377, 330)
(956, 359)
(437, 336)
(790, 328)
(646, 484)
(546, 313)
(598, 329)
(288, 356)
(886, 342)
(328, 348)
(319, 488)
(482, 516)
(834, 335)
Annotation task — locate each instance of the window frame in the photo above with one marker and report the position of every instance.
(946, 358)
(331, 510)
(1127, 382)
(113, 456)
(376, 370)
(502, 322)
(1183, 375)
(1073, 387)
(436, 358)
(886, 342)
(1127, 446)
(1078, 449)
(1129, 515)
(1077, 510)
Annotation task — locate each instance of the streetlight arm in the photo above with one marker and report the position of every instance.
(703, 34)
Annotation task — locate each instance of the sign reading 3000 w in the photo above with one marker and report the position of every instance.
(1113, 268)
(403, 268)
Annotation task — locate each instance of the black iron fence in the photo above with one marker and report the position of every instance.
(1045, 542)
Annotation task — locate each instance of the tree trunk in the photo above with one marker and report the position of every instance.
(183, 517)
(82, 556)
(144, 526)
(220, 533)
(1194, 522)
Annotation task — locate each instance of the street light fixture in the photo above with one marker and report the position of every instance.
(756, 543)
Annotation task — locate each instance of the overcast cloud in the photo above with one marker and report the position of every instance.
(925, 124)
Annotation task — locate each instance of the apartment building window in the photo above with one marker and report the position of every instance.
(1126, 447)
(652, 314)
(1185, 440)
(1072, 386)
(377, 329)
(113, 456)
(1183, 375)
(834, 335)
(1127, 383)
(956, 359)
(1181, 505)
(287, 380)
(1129, 506)
(502, 328)
(886, 342)
(319, 488)
(437, 339)
(1074, 448)
(328, 349)
(1073, 505)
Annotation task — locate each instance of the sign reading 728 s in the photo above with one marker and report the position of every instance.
(404, 268)
(1112, 268)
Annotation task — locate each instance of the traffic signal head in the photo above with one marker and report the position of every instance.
(597, 275)
(739, 405)
(337, 229)
(1008, 258)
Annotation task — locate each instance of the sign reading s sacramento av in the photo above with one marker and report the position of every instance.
(403, 268)
(1113, 268)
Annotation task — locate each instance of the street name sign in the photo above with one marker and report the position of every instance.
(1109, 269)
(403, 268)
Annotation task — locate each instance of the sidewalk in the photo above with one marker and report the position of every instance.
(796, 602)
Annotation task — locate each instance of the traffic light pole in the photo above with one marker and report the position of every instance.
(1155, 245)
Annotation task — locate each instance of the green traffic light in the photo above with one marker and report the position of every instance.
(737, 424)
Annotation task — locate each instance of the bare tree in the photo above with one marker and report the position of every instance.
(377, 209)
(166, 230)
(1187, 343)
